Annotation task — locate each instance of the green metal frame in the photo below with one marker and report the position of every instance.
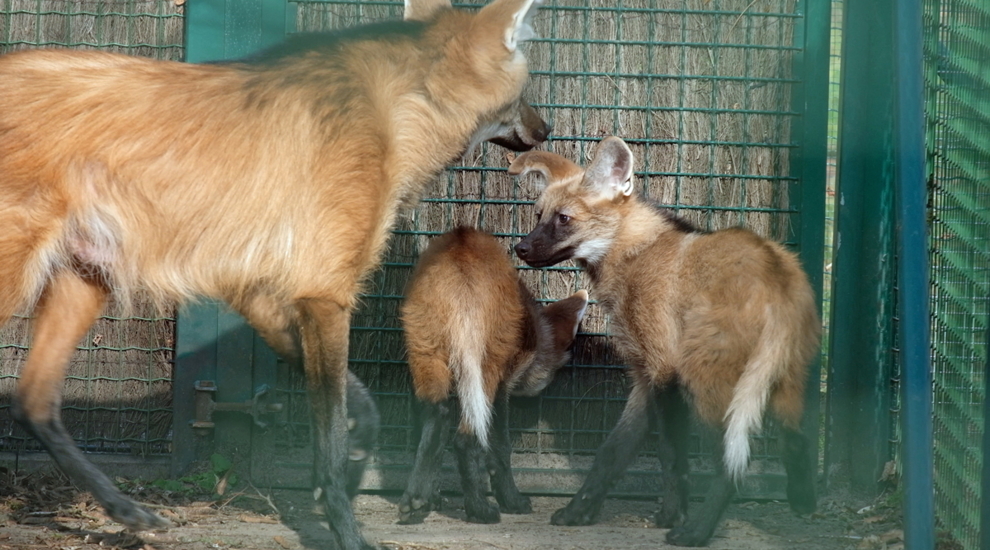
(862, 348)
(812, 164)
(913, 282)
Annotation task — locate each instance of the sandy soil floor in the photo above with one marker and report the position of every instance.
(40, 511)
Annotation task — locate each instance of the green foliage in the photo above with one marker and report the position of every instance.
(220, 463)
(205, 482)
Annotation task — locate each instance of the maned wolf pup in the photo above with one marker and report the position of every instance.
(474, 330)
(726, 319)
(270, 183)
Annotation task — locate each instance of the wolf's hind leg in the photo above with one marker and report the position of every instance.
(68, 307)
(423, 492)
(509, 499)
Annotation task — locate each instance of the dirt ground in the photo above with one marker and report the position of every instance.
(40, 511)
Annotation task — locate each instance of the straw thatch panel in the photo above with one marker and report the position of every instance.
(149, 28)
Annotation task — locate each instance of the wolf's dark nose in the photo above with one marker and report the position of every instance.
(523, 249)
(543, 133)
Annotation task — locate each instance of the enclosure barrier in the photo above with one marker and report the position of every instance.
(723, 104)
(957, 108)
(704, 93)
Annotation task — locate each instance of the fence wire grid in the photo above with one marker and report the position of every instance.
(957, 85)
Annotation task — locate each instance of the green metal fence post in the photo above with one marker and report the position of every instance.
(810, 162)
(861, 358)
(912, 252)
(213, 343)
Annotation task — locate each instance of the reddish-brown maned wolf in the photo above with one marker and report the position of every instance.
(725, 320)
(474, 330)
(271, 183)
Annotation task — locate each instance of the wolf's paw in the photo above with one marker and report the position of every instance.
(689, 535)
(482, 512)
(801, 498)
(134, 516)
(575, 513)
(413, 510)
(669, 515)
(518, 504)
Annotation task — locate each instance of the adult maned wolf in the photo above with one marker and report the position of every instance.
(725, 320)
(474, 330)
(271, 183)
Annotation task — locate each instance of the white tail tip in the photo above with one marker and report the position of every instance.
(736, 452)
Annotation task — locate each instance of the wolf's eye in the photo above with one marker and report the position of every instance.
(539, 214)
(563, 219)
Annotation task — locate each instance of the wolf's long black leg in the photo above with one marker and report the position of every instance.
(510, 500)
(423, 492)
(611, 461)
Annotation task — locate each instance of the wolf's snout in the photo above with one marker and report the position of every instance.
(543, 133)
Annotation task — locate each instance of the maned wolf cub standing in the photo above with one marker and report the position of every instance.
(725, 319)
(474, 330)
(271, 183)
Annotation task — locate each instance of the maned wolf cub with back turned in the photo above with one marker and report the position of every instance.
(726, 319)
(474, 330)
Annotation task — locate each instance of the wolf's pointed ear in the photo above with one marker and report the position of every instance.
(552, 166)
(423, 10)
(610, 172)
(514, 18)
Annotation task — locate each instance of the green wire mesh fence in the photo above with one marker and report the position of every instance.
(118, 392)
(701, 90)
(957, 82)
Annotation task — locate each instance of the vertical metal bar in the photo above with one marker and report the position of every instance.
(746, 104)
(714, 53)
(8, 18)
(38, 22)
(809, 161)
(859, 360)
(917, 454)
(681, 93)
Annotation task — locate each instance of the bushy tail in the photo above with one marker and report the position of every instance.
(749, 399)
(467, 353)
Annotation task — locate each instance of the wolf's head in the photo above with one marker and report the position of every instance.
(481, 67)
(556, 326)
(580, 211)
